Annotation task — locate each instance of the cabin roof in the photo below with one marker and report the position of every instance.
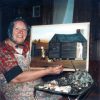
(77, 37)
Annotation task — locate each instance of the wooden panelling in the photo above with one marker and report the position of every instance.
(89, 10)
(98, 49)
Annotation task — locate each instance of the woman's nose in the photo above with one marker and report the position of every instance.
(21, 31)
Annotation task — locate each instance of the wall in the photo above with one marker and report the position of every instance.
(63, 11)
(88, 10)
(68, 18)
(98, 49)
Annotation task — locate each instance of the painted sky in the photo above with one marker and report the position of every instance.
(47, 31)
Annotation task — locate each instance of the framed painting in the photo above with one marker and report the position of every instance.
(66, 44)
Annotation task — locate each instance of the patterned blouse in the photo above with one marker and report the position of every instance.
(9, 66)
(12, 63)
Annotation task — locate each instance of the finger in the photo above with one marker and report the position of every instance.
(59, 66)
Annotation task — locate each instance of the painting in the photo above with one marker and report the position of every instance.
(66, 44)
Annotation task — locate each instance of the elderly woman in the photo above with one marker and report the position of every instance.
(16, 81)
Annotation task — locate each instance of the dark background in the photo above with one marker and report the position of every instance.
(84, 11)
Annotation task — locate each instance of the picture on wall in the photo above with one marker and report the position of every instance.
(66, 44)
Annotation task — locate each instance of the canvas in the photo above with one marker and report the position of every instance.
(66, 44)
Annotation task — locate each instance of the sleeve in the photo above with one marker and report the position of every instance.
(8, 65)
(12, 73)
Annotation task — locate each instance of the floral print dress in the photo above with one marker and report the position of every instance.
(18, 91)
(25, 90)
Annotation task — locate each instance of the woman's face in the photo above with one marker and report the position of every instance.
(19, 32)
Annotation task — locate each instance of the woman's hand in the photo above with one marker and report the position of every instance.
(55, 69)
